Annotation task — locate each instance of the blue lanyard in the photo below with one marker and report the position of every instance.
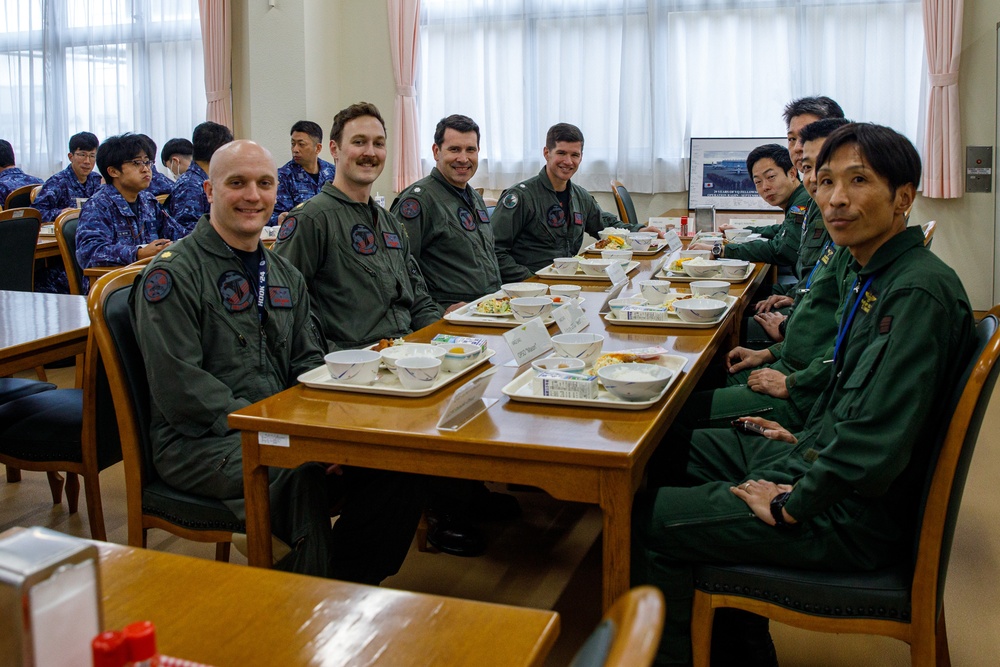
(847, 318)
(819, 261)
(261, 286)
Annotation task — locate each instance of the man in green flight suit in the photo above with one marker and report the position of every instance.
(355, 256)
(450, 232)
(546, 216)
(840, 493)
(222, 323)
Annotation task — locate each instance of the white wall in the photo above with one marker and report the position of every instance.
(310, 58)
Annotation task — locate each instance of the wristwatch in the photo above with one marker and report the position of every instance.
(717, 250)
(782, 325)
(777, 505)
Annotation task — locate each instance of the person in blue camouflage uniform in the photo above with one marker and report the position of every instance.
(12, 178)
(77, 181)
(123, 222)
(160, 184)
(302, 177)
(187, 201)
(176, 155)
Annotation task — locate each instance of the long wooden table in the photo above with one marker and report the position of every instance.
(37, 328)
(577, 454)
(223, 614)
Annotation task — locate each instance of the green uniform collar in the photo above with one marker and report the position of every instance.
(800, 197)
(206, 236)
(891, 250)
(462, 194)
(330, 189)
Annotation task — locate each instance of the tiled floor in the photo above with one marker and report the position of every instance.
(551, 559)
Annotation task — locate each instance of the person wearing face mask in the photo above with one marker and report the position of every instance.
(545, 216)
(176, 156)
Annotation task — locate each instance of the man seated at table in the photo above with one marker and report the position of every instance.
(159, 184)
(546, 216)
(841, 492)
(176, 155)
(222, 322)
(187, 201)
(78, 181)
(302, 177)
(123, 222)
(445, 218)
(12, 178)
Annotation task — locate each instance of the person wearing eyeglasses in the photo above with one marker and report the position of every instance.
(77, 181)
(123, 222)
(160, 184)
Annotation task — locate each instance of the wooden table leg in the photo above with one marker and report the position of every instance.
(616, 504)
(258, 503)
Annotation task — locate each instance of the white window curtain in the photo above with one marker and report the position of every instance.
(641, 77)
(103, 66)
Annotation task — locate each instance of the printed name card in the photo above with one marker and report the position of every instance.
(616, 272)
(611, 294)
(466, 403)
(570, 318)
(528, 341)
(673, 241)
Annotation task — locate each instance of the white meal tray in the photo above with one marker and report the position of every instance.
(467, 314)
(658, 246)
(47, 230)
(387, 384)
(521, 389)
(674, 320)
(682, 277)
(547, 273)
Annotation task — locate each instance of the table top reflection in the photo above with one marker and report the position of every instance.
(37, 328)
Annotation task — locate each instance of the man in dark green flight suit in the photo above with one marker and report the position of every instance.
(841, 493)
(222, 323)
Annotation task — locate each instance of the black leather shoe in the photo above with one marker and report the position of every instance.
(455, 537)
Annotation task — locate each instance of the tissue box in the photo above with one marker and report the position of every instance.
(565, 385)
(49, 598)
(653, 313)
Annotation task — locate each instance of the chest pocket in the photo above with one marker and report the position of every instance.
(867, 364)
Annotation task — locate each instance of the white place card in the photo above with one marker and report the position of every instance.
(673, 240)
(528, 341)
(570, 318)
(466, 403)
(273, 439)
(612, 293)
(616, 273)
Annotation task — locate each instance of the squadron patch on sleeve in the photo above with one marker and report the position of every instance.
(280, 297)
(467, 221)
(578, 219)
(157, 285)
(287, 229)
(797, 210)
(363, 240)
(391, 240)
(409, 208)
(511, 200)
(235, 291)
(556, 216)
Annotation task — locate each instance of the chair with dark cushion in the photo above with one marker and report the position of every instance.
(906, 601)
(626, 208)
(19, 197)
(65, 230)
(629, 633)
(18, 240)
(151, 502)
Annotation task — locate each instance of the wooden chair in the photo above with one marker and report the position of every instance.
(151, 502)
(163, 199)
(65, 230)
(629, 633)
(623, 200)
(20, 197)
(34, 193)
(65, 430)
(906, 601)
(928, 228)
(18, 240)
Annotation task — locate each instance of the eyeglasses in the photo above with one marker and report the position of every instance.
(140, 164)
(86, 156)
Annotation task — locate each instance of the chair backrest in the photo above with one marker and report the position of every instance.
(950, 464)
(163, 198)
(928, 228)
(629, 633)
(626, 209)
(18, 240)
(111, 324)
(34, 192)
(19, 197)
(65, 229)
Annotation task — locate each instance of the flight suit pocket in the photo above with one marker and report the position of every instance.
(867, 364)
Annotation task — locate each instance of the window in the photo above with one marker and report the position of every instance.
(641, 77)
(105, 66)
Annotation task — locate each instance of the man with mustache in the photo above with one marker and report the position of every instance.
(363, 282)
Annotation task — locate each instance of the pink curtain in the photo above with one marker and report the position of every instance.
(216, 38)
(404, 27)
(943, 142)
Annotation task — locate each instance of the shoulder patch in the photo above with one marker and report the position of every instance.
(797, 210)
(157, 285)
(409, 208)
(287, 228)
(511, 200)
